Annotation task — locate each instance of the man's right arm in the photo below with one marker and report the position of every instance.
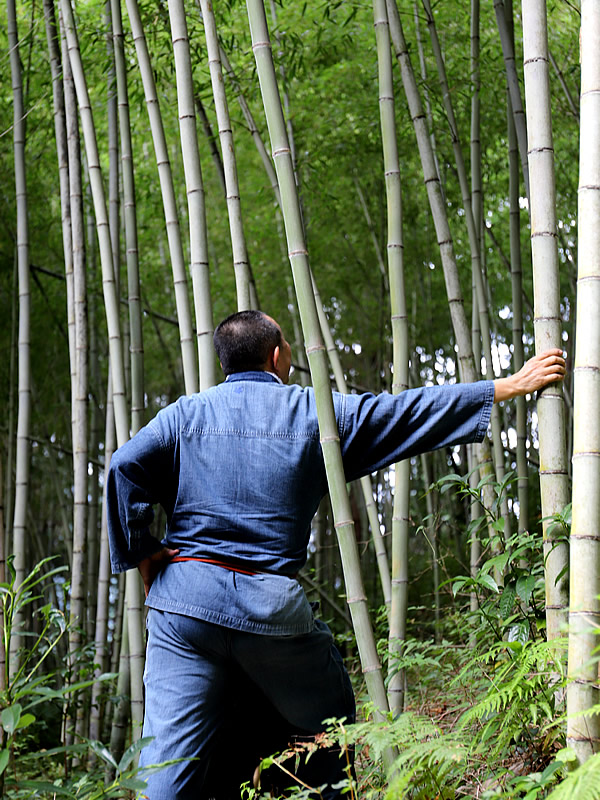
(376, 431)
(539, 371)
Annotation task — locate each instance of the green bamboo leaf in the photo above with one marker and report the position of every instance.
(566, 755)
(9, 718)
(525, 587)
(132, 751)
(507, 600)
(25, 721)
(4, 755)
(135, 784)
(50, 789)
(102, 752)
(488, 582)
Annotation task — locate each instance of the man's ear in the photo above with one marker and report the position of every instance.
(275, 358)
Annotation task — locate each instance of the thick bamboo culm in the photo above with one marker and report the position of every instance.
(317, 358)
(399, 604)
(508, 50)
(184, 318)
(516, 271)
(234, 207)
(462, 334)
(195, 194)
(583, 732)
(136, 344)
(23, 448)
(112, 318)
(554, 480)
(476, 260)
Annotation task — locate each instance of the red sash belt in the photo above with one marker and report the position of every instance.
(230, 565)
(225, 564)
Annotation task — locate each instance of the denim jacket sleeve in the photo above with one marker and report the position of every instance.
(377, 430)
(139, 473)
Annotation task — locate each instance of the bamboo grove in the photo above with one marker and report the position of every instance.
(412, 191)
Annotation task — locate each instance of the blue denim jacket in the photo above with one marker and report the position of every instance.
(239, 472)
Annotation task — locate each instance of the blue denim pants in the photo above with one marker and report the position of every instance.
(190, 676)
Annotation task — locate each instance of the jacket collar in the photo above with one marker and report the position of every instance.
(253, 375)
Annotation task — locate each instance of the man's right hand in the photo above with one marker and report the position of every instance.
(539, 371)
(151, 566)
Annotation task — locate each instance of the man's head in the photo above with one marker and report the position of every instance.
(251, 340)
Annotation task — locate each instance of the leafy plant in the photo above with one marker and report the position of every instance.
(27, 684)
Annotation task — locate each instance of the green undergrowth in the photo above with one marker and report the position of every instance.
(484, 709)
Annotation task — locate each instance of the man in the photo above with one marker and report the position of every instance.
(239, 471)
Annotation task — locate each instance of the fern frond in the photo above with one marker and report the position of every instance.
(581, 784)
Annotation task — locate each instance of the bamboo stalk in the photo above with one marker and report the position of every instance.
(395, 246)
(112, 318)
(130, 222)
(102, 606)
(474, 244)
(212, 142)
(186, 335)
(241, 264)
(23, 451)
(516, 272)
(195, 194)
(316, 355)
(249, 117)
(583, 732)
(79, 381)
(365, 483)
(462, 334)
(554, 481)
(508, 51)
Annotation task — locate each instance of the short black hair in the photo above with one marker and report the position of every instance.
(245, 340)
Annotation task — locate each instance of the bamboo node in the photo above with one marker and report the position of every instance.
(540, 150)
(342, 524)
(258, 45)
(293, 253)
(375, 668)
(333, 438)
(582, 682)
(360, 598)
(394, 246)
(281, 151)
(315, 348)
(548, 234)
(543, 59)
